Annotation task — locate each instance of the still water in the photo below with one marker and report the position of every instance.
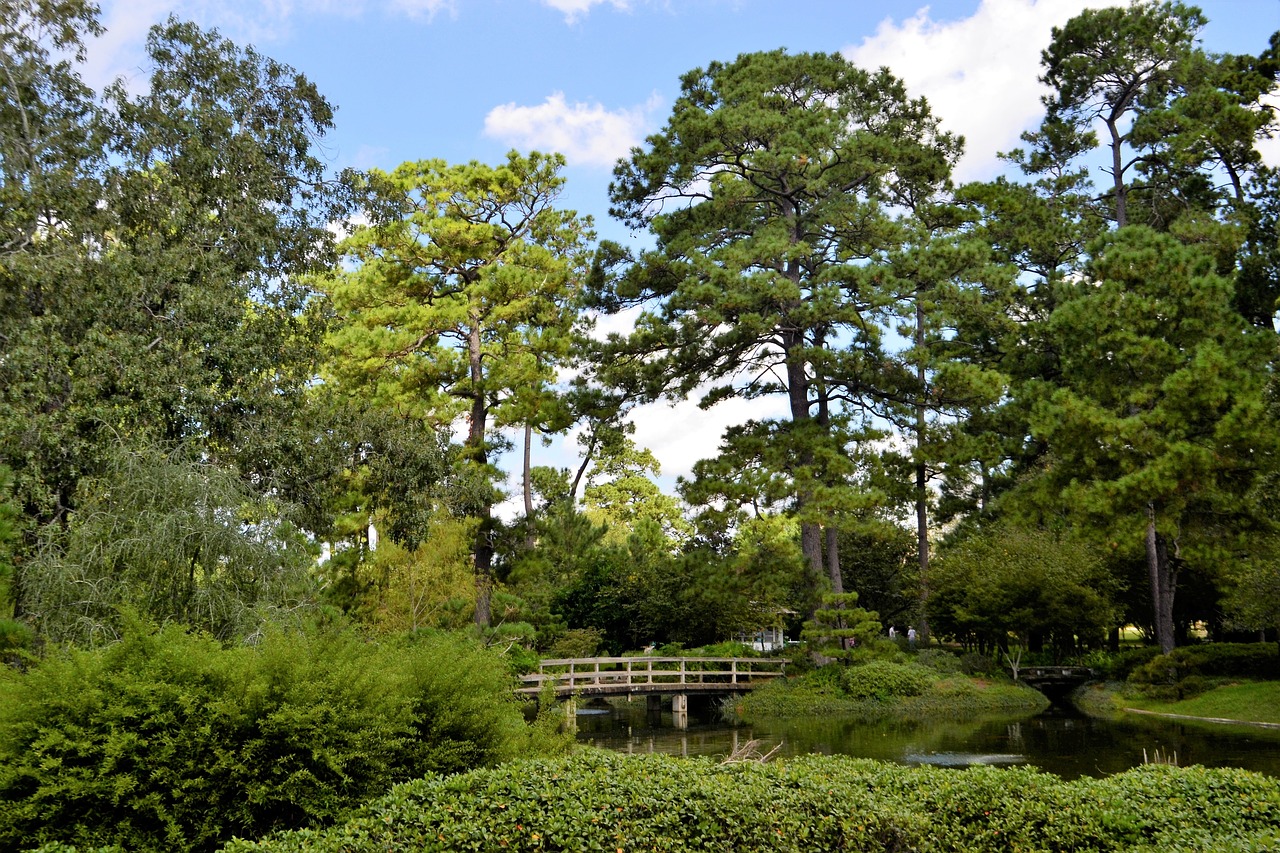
(1057, 741)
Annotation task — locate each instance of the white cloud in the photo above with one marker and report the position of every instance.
(574, 9)
(980, 74)
(586, 134)
(424, 8)
(680, 434)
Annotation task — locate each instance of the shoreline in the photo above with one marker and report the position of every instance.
(1192, 718)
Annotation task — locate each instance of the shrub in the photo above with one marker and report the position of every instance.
(168, 741)
(1229, 660)
(973, 663)
(884, 680)
(598, 801)
(576, 643)
(939, 660)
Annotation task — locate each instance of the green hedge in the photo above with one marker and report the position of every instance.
(168, 741)
(1211, 660)
(611, 802)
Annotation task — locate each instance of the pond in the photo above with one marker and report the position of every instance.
(1059, 741)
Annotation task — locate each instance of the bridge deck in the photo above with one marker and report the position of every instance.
(624, 676)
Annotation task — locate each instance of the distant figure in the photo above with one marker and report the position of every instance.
(893, 632)
(911, 637)
(650, 649)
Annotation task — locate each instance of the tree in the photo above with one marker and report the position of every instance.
(1156, 428)
(839, 626)
(458, 301)
(175, 541)
(152, 245)
(764, 190)
(1010, 578)
(1105, 64)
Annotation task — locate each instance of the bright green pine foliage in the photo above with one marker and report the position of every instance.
(167, 741)
(459, 302)
(608, 802)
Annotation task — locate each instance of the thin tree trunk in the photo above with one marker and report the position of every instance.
(1162, 584)
(833, 561)
(529, 538)
(922, 475)
(483, 552)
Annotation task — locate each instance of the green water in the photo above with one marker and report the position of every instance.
(1057, 741)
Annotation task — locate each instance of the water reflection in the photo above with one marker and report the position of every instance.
(1057, 741)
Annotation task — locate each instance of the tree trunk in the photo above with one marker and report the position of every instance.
(922, 474)
(798, 397)
(1117, 173)
(529, 538)
(478, 453)
(1160, 573)
(833, 561)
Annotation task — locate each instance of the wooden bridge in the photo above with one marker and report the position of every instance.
(650, 675)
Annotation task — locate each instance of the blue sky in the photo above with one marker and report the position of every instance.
(471, 79)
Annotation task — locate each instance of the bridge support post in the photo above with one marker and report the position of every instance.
(680, 710)
(570, 723)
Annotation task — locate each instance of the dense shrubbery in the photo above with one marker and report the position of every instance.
(884, 680)
(602, 801)
(880, 688)
(169, 741)
(1220, 660)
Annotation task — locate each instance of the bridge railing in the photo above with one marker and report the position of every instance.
(624, 674)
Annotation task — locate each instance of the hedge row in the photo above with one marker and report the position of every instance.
(1211, 660)
(599, 801)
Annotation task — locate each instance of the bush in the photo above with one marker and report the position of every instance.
(939, 660)
(168, 741)
(1224, 660)
(973, 663)
(576, 643)
(599, 801)
(884, 680)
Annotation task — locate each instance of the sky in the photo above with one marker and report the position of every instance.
(471, 79)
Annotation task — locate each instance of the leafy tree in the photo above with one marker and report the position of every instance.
(151, 249)
(763, 191)
(460, 302)
(177, 541)
(1156, 426)
(1011, 579)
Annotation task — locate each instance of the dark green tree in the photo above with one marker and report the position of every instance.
(764, 190)
(1156, 428)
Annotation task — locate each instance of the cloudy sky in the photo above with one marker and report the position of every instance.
(471, 79)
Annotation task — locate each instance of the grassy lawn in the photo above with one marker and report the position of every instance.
(1256, 701)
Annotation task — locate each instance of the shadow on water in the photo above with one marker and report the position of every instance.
(1058, 741)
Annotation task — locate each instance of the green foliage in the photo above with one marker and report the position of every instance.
(840, 629)
(1023, 580)
(1234, 660)
(882, 680)
(599, 801)
(941, 661)
(822, 692)
(170, 741)
(576, 643)
(175, 540)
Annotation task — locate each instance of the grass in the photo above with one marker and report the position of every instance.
(951, 697)
(1254, 701)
